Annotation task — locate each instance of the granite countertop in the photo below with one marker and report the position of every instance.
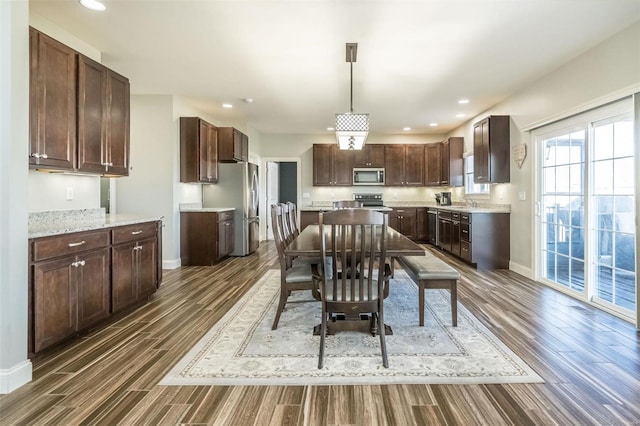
(44, 224)
(197, 208)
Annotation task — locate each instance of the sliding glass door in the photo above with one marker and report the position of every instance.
(586, 227)
(613, 217)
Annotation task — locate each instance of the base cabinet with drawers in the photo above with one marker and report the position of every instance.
(70, 280)
(480, 238)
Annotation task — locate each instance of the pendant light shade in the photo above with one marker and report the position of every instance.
(352, 128)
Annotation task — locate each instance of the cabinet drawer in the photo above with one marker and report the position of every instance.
(136, 232)
(465, 232)
(465, 250)
(62, 245)
(465, 217)
(444, 214)
(455, 215)
(222, 216)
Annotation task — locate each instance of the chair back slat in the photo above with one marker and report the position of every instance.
(293, 219)
(347, 204)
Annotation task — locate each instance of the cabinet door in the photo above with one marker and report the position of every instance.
(432, 224)
(342, 166)
(94, 287)
(245, 148)
(198, 238)
(455, 237)
(408, 223)
(211, 160)
(117, 141)
(481, 151)
(433, 163)
(322, 167)
(123, 285)
(55, 297)
(145, 272)
(237, 144)
(394, 165)
(394, 220)
(422, 224)
(369, 156)
(92, 116)
(53, 103)
(444, 164)
(414, 165)
(444, 234)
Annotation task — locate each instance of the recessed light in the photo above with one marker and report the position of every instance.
(433, 124)
(227, 106)
(460, 115)
(93, 5)
(406, 129)
(463, 101)
(331, 129)
(248, 100)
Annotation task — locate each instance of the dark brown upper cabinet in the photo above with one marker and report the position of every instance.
(369, 156)
(198, 151)
(404, 165)
(491, 150)
(78, 112)
(332, 166)
(52, 97)
(233, 145)
(103, 119)
(444, 164)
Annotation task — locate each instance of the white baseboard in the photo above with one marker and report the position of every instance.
(171, 263)
(14, 377)
(522, 270)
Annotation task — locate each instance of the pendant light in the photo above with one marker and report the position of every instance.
(352, 128)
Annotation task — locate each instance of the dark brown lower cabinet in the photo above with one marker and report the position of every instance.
(403, 220)
(70, 279)
(480, 238)
(206, 237)
(422, 224)
(134, 272)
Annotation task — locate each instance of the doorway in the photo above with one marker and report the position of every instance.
(282, 177)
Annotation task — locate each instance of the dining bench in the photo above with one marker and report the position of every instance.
(430, 272)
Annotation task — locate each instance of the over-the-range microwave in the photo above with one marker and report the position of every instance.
(368, 176)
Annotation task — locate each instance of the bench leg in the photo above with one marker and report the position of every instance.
(454, 302)
(421, 303)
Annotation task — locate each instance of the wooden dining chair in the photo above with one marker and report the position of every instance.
(293, 275)
(347, 204)
(293, 218)
(285, 222)
(356, 237)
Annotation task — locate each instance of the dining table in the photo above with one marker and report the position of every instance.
(309, 243)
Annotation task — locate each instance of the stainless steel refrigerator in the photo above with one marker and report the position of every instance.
(237, 187)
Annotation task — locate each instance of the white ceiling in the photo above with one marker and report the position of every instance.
(416, 59)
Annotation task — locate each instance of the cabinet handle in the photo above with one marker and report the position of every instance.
(445, 181)
(45, 156)
(78, 263)
(76, 244)
(35, 155)
(136, 232)
(136, 248)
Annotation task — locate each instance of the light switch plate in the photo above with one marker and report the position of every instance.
(69, 193)
(305, 195)
(522, 195)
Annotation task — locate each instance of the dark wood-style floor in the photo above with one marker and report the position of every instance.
(590, 362)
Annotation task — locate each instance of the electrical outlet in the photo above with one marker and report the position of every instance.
(69, 193)
(305, 195)
(522, 195)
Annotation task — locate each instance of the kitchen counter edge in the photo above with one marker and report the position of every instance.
(47, 229)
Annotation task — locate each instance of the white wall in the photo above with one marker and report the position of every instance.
(148, 188)
(48, 191)
(599, 75)
(15, 368)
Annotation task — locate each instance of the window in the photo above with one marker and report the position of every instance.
(470, 187)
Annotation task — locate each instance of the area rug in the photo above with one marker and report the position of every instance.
(241, 349)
